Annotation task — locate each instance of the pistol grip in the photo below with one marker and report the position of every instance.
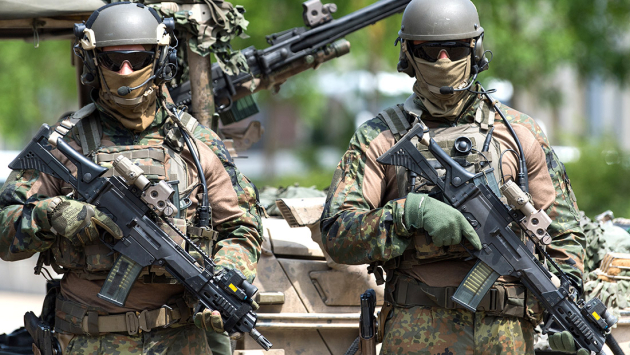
(120, 280)
(475, 285)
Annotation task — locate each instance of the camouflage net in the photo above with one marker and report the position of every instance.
(602, 238)
(269, 195)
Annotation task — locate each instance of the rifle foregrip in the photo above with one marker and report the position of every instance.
(475, 285)
(120, 280)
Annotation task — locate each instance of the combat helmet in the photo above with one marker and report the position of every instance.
(441, 20)
(125, 23)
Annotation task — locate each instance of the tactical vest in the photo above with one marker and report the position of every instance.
(400, 119)
(160, 160)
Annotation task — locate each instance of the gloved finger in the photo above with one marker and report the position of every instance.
(471, 236)
(567, 341)
(553, 341)
(201, 320)
(583, 352)
(103, 221)
(216, 322)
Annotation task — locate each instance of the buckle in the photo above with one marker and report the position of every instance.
(142, 321)
(132, 323)
(168, 316)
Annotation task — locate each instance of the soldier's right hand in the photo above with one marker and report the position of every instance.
(79, 221)
(443, 223)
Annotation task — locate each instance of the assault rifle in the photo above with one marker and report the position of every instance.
(134, 203)
(503, 253)
(291, 52)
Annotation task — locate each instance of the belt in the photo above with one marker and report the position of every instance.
(501, 300)
(92, 323)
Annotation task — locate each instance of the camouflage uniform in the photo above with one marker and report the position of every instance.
(235, 216)
(362, 223)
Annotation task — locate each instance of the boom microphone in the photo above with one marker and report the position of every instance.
(125, 90)
(447, 90)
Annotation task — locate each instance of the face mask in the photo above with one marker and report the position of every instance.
(136, 110)
(430, 77)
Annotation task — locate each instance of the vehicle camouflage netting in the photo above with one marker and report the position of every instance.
(269, 195)
(602, 238)
(225, 23)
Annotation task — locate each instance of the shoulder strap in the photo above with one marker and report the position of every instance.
(484, 116)
(396, 120)
(174, 138)
(90, 133)
(89, 130)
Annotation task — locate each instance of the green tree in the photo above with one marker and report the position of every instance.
(36, 85)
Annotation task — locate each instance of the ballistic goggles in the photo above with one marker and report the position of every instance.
(113, 60)
(430, 51)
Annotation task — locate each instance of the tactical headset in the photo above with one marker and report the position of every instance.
(165, 63)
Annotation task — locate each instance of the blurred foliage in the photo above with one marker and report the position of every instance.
(600, 178)
(36, 85)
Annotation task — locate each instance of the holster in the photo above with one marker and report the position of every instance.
(367, 346)
(44, 343)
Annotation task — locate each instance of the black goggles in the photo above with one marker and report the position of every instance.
(113, 60)
(430, 51)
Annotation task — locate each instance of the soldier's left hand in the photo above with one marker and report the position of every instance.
(209, 320)
(564, 342)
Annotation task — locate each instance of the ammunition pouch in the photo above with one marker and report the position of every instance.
(76, 318)
(502, 300)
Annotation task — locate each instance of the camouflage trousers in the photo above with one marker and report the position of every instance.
(188, 340)
(439, 331)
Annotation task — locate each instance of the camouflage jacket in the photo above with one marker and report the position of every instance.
(235, 210)
(358, 230)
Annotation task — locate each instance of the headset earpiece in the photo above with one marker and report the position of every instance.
(481, 62)
(403, 63)
(78, 30)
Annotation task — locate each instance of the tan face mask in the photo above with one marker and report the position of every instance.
(430, 77)
(136, 110)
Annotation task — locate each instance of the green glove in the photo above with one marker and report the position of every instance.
(443, 223)
(79, 221)
(209, 320)
(563, 341)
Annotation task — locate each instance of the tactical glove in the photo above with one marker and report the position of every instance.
(79, 221)
(563, 341)
(443, 223)
(209, 320)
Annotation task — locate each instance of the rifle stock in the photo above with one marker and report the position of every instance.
(476, 196)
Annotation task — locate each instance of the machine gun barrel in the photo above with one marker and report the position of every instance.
(291, 52)
(503, 253)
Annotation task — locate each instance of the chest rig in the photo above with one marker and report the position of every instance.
(160, 159)
(465, 144)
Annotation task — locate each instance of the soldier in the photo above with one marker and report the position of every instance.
(127, 57)
(373, 215)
